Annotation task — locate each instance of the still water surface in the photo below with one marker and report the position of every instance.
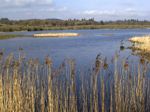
(84, 47)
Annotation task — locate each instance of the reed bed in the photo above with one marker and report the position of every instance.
(55, 34)
(28, 86)
(145, 42)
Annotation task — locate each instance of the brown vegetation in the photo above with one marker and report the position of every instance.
(28, 86)
(55, 34)
(145, 43)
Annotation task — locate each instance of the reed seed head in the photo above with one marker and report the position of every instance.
(92, 62)
(20, 49)
(41, 67)
(126, 66)
(84, 66)
(130, 77)
(53, 74)
(142, 61)
(112, 60)
(105, 64)
(144, 76)
(122, 48)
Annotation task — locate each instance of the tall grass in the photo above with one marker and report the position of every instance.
(28, 86)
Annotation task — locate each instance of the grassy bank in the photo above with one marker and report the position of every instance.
(28, 86)
(11, 28)
(142, 44)
(10, 36)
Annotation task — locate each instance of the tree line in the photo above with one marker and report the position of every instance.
(55, 23)
(7, 25)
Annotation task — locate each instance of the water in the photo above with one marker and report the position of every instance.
(84, 48)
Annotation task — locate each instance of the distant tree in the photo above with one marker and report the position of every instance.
(29, 29)
(92, 19)
(101, 22)
(4, 20)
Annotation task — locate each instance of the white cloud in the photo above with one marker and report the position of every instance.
(129, 13)
(23, 3)
(127, 3)
(47, 2)
(57, 10)
(108, 12)
(90, 12)
(130, 10)
(29, 13)
(62, 9)
(94, 12)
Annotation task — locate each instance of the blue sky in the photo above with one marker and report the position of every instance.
(69, 9)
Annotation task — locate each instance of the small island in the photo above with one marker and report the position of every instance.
(56, 34)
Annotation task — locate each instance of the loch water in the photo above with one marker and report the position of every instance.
(84, 48)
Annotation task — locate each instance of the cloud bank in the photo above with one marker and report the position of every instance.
(64, 9)
(130, 10)
(105, 12)
(57, 10)
(24, 3)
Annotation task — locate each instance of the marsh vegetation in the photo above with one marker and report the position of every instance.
(28, 86)
(142, 44)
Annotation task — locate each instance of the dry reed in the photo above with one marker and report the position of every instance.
(145, 40)
(55, 34)
(34, 88)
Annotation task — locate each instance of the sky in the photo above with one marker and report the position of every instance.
(75, 9)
